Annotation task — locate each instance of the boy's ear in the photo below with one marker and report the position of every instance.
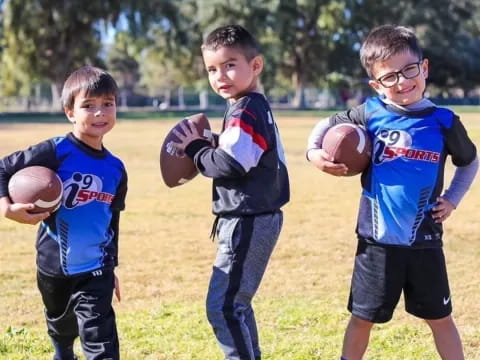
(257, 65)
(424, 68)
(376, 86)
(69, 114)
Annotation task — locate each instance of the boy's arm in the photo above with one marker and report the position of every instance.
(464, 157)
(19, 212)
(41, 154)
(320, 158)
(460, 184)
(240, 145)
(118, 204)
(317, 156)
(209, 159)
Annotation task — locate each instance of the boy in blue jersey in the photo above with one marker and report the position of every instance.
(402, 206)
(250, 185)
(77, 245)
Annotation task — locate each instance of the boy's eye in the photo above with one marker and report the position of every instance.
(389, 78)
(211, 70)
(229, 65)
(410, 70)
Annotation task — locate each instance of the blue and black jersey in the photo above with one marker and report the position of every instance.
(248, 166)
(82, 235)
(406, 174)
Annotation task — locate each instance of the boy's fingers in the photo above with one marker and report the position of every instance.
(326, 155)
(193, 128)
(187, 129)
(178, 134)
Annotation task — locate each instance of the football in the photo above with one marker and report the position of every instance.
(177, 169)
(36, 185)
(348, 144)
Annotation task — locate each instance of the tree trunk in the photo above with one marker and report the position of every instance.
(299, 101)
(166, 100)
(123, 98)
(203, 99)
(56, 103)
(181, 98)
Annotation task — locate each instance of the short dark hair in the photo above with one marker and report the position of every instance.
(385, 41)
(232, 36)
(93, 80)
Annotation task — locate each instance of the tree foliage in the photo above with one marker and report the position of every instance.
(306, 43)
(56, 38)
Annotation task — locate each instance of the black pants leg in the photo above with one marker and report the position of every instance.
(81, 306)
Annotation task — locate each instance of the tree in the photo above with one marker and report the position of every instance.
(309, 31)
(57, 38)
(122, 63)
(448, 31)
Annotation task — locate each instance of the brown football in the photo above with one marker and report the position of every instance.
(177, 169)
(36, 185)
(348, 144)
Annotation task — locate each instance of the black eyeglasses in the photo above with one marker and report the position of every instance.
(408, 72)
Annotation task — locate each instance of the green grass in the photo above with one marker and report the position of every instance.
(166, 258)
(297, 328)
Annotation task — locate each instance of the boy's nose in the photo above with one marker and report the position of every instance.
(401, 78)
(98, 112)
(220, 75)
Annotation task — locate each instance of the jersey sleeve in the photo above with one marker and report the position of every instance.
(240, 146)
(118, 203)
(458, 144)
(42, 154)
(355, 115)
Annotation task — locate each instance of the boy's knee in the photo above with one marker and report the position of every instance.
(359, 323)
(444, 322)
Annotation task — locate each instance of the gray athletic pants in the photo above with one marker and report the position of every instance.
(245, 244)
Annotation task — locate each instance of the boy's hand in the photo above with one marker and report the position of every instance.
(19, 213)
(324, 162)
(442, 209)
(118, 294)
(191, 134)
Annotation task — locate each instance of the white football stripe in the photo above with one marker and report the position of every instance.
(361, 140)
(361, 136)
(46, 204)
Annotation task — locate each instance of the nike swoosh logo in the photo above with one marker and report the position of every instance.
(446, 300)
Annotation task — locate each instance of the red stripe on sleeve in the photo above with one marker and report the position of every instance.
(239, 112)
(257, 138)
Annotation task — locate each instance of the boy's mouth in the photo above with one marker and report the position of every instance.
(224, 87)
(101, 124)
(406, 90)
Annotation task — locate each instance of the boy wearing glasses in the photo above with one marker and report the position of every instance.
(402, 206)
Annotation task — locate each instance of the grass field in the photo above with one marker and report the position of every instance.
(166, 258)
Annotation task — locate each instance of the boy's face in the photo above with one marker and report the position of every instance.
(92, 117)
(230, 74)
(396, 86)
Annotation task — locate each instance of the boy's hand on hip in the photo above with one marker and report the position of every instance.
(324, 162)
(442, 210)
(118, 294)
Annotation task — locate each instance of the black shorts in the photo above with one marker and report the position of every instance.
(381, 273)
(81, 306)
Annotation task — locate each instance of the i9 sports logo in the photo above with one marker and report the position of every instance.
(82, 189)
(393, 144)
